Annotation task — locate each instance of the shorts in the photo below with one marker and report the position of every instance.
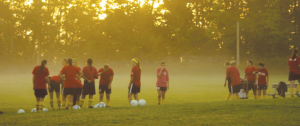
(78, 91)
(134, 89)
(294, 76)
(54, 86)
(69, 91)
(104, 88)
(251, 86)
(88, 88)
(235, 89)
(262, 87)
(40, 93)
(162, 88)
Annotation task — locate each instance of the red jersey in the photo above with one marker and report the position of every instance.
(70, 73)
(163, 79)
(249, 74)
(293, 65)
(136, 74)
(56, 79)
(105, 77)
(234, 75)
(89, 73)
(40, 79)
(79, 84)
(262, 76)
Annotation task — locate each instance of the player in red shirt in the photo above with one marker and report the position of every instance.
(40, 76)
(79, 85)
(64, 62)
(162, 82)
(227, 64)
(250, 77)
(294, 71)
(106, 78)
(89, 75)
(262, 80)
(235, 79)
(135, 82)
(55, 82)
(72, 74)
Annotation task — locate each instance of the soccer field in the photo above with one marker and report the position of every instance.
(191, 100)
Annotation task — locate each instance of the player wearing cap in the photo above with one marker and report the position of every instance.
(106, 77)
(262, 80)
(162, 83)
(135, 80)
(89, 75)
(40, 76)
(294, 71)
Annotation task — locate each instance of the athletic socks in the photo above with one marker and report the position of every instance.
(81, 102)
(228, 96)
(59, 103)
(292, 91)
(37, 105)
(90, 102)
(51, 103)
(108, 103)
(70, 105)
(63, 105)
(41, 105)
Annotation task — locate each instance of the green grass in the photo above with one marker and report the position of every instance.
(197, 99)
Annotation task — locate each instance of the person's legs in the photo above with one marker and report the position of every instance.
(82, 100)
(292, 88)
(265, 93)
(101, 97)
(108, 99)
(41, 103)
(90, 101)
(254, 92)
(163, 97)
(129, 97)
(159, 96)
(259, 93)
(37, 103)
(64, 99)
(71, 102)
(58, 99)
(51, 99)
(136, 96)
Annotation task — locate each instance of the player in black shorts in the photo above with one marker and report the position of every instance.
(227, 64)
(55, 82)
(106, 77)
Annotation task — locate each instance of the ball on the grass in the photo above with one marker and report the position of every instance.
(101, 105)
(76, 107)
(142, 102)
(96, 106)
(134, 103)
(21, 111)
(33, 110)
(45, 109)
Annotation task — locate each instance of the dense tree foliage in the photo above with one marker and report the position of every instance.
(147, 29)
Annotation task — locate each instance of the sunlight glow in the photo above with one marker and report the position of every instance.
(28, 2)
(102, 16)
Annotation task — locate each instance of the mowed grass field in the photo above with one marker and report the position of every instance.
(193, 99)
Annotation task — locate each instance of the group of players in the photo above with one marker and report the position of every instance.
(258, 78)
(74, 92)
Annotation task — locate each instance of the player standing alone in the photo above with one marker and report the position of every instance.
(250, 76)
(234, 75)
(262, 80)
(135, 80)
(106, 78)
(89, 75)
(72, 74)
(162, 82)
(40, 76)
(227, 64)
(294, 71)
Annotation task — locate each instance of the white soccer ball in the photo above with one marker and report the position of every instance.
(96, 106)
(45, 110)
(76, 107)
(33, 110)
(101, 105)
(21, 111)
(134, 103)
(142, 102)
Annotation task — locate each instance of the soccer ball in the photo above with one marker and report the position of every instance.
(33, 110)
(21, 111)
(96, 106)
(101, 105)
(142, 102)
(45, 110)
(76, 107)
(134, 103)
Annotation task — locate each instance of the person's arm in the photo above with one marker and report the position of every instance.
(80, 75)
(131, 79)
(33, 81)
(48, 81)
(159, 73)
(111, 79)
